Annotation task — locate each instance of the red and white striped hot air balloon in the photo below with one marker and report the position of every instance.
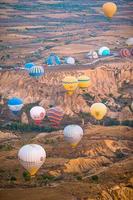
(125, 53)
(55, 115)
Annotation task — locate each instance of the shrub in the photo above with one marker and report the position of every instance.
(95, 178)
(26, 176)
(13, 178)
(79, 178)
(5, 147)
(119, 154)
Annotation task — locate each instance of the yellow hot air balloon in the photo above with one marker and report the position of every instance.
(32, 157)
(84, 82)
(70, 84)
(109, 9)
(98, 110)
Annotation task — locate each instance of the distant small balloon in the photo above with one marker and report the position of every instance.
(125, 53)
(129, 41)
(36, 71)
(29, 65)
(109, 9)
(104, 51)
(84, 82)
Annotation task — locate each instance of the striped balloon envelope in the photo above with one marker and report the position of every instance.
(131, 51)
(36, 71)
(125, 53)
(55, 115)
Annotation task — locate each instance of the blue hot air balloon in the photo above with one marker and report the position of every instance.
(15, 105)
(36, 71)
(53, 59)
(29, 65)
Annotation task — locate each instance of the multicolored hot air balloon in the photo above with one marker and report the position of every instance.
(37, 113)
(36, 71)
(125, 53)
(73, 134)
(29, 65)
(84, 82)
(98, 110)
(104, 51)
(15, 105)
(55, 115)
(32, 157)
(70, 84)
(109, 9)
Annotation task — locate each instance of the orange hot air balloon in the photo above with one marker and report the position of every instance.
(109, 9)
(55, 115)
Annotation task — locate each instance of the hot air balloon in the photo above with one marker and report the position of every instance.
(37, 113)
(92, 55)
(98, 110)
(125, 53)
(109, 9)
(36, 71)
(29, 65)
(55, 115)
(70, 60)
(15, 105)
(131, 51)
(129, 41)
(84, 82)
(104, 51)
(73, 134)
(32, 157)
(132, 105)
(70, 84)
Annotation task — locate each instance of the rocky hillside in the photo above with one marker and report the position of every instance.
(99, 168)
(111, 83)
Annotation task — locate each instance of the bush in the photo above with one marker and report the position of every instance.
(119, 154)
(79, 178)
(95, 178)
(26, 176)
(13, 178)
(5, 147)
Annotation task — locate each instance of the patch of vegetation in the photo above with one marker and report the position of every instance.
(46, 178)
(5, 147)
(127, 123)
(111, 122)
(79, 178)
(95, 178)
(20, 127)
(119, 154)
(26, 176)
(13, 178)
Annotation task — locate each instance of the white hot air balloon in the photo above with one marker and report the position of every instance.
(32, 157)
(129, 41)
(73, 134)
(70, 60)
(37, 113)
(132, 105)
